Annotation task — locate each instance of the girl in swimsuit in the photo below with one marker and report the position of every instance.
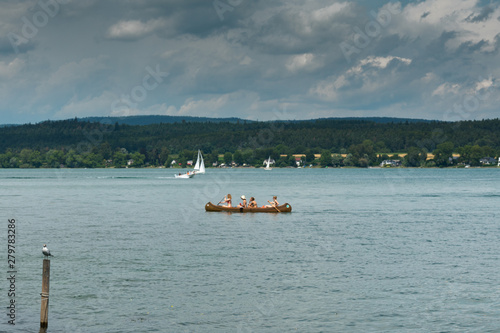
(228, 200)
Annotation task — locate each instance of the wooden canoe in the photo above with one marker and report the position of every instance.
(285, 208)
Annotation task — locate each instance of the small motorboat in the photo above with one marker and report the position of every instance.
(185, 175)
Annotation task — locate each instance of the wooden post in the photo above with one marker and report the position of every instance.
(44, 312)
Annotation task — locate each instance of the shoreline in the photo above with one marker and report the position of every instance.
(253, 167)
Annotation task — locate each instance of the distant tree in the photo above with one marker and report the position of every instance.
(364, 150)
(92, 160)
(105, 150)
(380, 147)
(163, 156)
(54, 158)
(337, 160)
(212, 157)
(13, 162)
(364, 161)
(249, 157)
(349, 160)
(300, 149)
(476, 153)
(326, 158)
(138, 159)
(443, 153)
(309, 156)
(71, 159)
(282, 149)
(120, 159)
(238, 157)
(228, 158)
(415, 157)
(291, 160)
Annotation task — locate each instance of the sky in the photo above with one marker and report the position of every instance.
(258, 60)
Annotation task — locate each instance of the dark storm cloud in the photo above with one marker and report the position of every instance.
(424, 15)
(200, 18)
(485, 14)
(245, 58)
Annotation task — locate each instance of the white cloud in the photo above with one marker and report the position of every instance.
(326, 90)
(156, 109)
(429, 19)
(210, 106)
(246, 61)
(328, 12)
(301, 61)
(382, 62)
(446, 88)
(365, 77)
(428, 78)
(243, 104)
(134, 29)
(65, 77)
(9, 70)
(89, 106)
(484, 84)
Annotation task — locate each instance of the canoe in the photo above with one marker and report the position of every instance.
(285, 208)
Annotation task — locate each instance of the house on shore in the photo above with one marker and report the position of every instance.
(488, 161)
(390, 163)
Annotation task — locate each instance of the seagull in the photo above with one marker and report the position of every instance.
(46, 251)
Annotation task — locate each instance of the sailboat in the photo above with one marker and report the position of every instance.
(268, 162)
(199, 167)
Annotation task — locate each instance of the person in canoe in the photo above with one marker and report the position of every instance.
(244, 204)
(274, 203)
(228, 200)
(252, 203)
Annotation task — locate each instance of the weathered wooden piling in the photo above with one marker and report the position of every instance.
(44, 311)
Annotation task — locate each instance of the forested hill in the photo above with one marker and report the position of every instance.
(334, 135)
(158, 119)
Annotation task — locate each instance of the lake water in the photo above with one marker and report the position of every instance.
(364, 250)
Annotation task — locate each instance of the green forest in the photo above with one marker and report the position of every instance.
(324, 142)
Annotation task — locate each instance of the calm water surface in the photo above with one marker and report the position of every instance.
(364, 250)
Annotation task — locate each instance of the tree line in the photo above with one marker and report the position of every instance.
(358, 143)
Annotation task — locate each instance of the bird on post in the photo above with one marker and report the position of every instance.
(46, 251)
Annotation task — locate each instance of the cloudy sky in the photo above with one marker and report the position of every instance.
(260, 60)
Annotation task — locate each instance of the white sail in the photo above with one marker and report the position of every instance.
(268, 162)
(202, 164)
(199, 167)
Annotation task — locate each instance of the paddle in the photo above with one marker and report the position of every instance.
(274, 206)
(221, 201)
